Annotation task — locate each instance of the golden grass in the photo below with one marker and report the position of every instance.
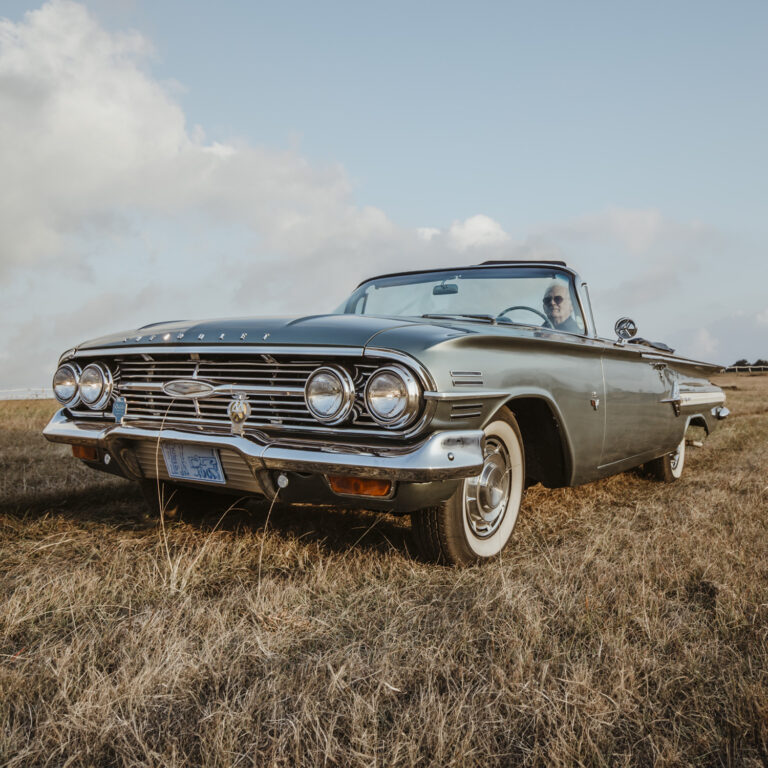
(626, 625)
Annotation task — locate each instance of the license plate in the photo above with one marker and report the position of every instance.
(193, 462)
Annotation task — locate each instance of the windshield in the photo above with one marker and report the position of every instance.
(523, 295)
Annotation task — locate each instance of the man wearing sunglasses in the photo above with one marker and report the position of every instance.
(558, 308)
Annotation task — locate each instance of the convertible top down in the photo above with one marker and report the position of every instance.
(439, 393)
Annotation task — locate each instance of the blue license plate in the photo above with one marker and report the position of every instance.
(193, 462)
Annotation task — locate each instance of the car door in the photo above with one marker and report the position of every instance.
(638, 422)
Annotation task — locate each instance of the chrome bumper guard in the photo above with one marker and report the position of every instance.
(441, 456)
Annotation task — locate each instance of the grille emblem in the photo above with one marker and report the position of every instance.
(238, 410)
(190, 388)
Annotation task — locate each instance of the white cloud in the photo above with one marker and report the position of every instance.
(98, 164)
(639, 231)
(96, 139)
(427, 233)
(705, 345)
(476, 231)
(96, 158)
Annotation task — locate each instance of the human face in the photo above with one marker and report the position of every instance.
(557, 304)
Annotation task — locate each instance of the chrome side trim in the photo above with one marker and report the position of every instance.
(482, 394)
(680, 399)
(672, 359)
(441, 456)
(701, 398)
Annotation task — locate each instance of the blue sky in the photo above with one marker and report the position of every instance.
(157, 149)
(527, 112)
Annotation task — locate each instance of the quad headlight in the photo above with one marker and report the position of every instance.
(92, 385)
(330, 394)
(393, 396)
(66, 381)
(95, 386)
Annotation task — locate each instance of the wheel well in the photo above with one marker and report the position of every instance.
(545, 456)
(698, 421)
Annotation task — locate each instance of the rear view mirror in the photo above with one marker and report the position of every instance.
(444, 289)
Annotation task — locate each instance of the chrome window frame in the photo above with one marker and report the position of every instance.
(578, 285)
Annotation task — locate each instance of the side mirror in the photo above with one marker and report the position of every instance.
(625, 328)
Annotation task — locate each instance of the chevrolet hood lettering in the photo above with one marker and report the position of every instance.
(345, 331)
(190, 388)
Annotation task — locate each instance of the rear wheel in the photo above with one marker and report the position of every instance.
(669, 467)
(476, 523)
(173, 501)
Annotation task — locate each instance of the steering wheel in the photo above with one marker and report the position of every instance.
(547, 324)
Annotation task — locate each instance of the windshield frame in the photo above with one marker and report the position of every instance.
(578, 287)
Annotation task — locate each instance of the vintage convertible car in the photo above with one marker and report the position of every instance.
(440, 393)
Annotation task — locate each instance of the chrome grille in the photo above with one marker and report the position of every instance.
(278, 404)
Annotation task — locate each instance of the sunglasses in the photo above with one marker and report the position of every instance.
(553, 300)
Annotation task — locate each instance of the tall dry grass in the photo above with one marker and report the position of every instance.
(627, 624)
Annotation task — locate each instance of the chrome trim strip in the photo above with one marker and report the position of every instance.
(441, 456)
(221, 389)
(701, 398)
(672, 359)
(466, 395)
(222, 349)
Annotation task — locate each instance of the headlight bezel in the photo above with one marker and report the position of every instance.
(348, 395)
(76, 371)
(413, 397)
(107, 385)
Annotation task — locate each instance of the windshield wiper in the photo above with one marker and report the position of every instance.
(480, 318)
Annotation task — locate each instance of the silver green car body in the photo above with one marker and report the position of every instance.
(587, 406)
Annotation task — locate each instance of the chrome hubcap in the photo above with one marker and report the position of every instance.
(675, 457)
(486, 495)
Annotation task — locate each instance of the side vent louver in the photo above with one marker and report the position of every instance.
(467, 378)
(465, 410)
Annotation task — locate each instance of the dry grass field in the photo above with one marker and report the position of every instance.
(626, 625)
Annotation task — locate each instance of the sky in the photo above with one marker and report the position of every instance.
(191, 160)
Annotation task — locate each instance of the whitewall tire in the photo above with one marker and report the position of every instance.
(476, 523)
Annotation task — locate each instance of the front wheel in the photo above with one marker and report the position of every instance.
(476, 523)
(669, 467)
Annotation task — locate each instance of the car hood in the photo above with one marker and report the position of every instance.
(315, 330)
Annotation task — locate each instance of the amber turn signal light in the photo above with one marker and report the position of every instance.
(85, 452)
(358, 486)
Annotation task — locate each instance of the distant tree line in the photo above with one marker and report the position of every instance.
(759, 361)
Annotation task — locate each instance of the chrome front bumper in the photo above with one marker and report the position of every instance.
(441, 456)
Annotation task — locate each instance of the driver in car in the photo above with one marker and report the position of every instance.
(558, 308)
